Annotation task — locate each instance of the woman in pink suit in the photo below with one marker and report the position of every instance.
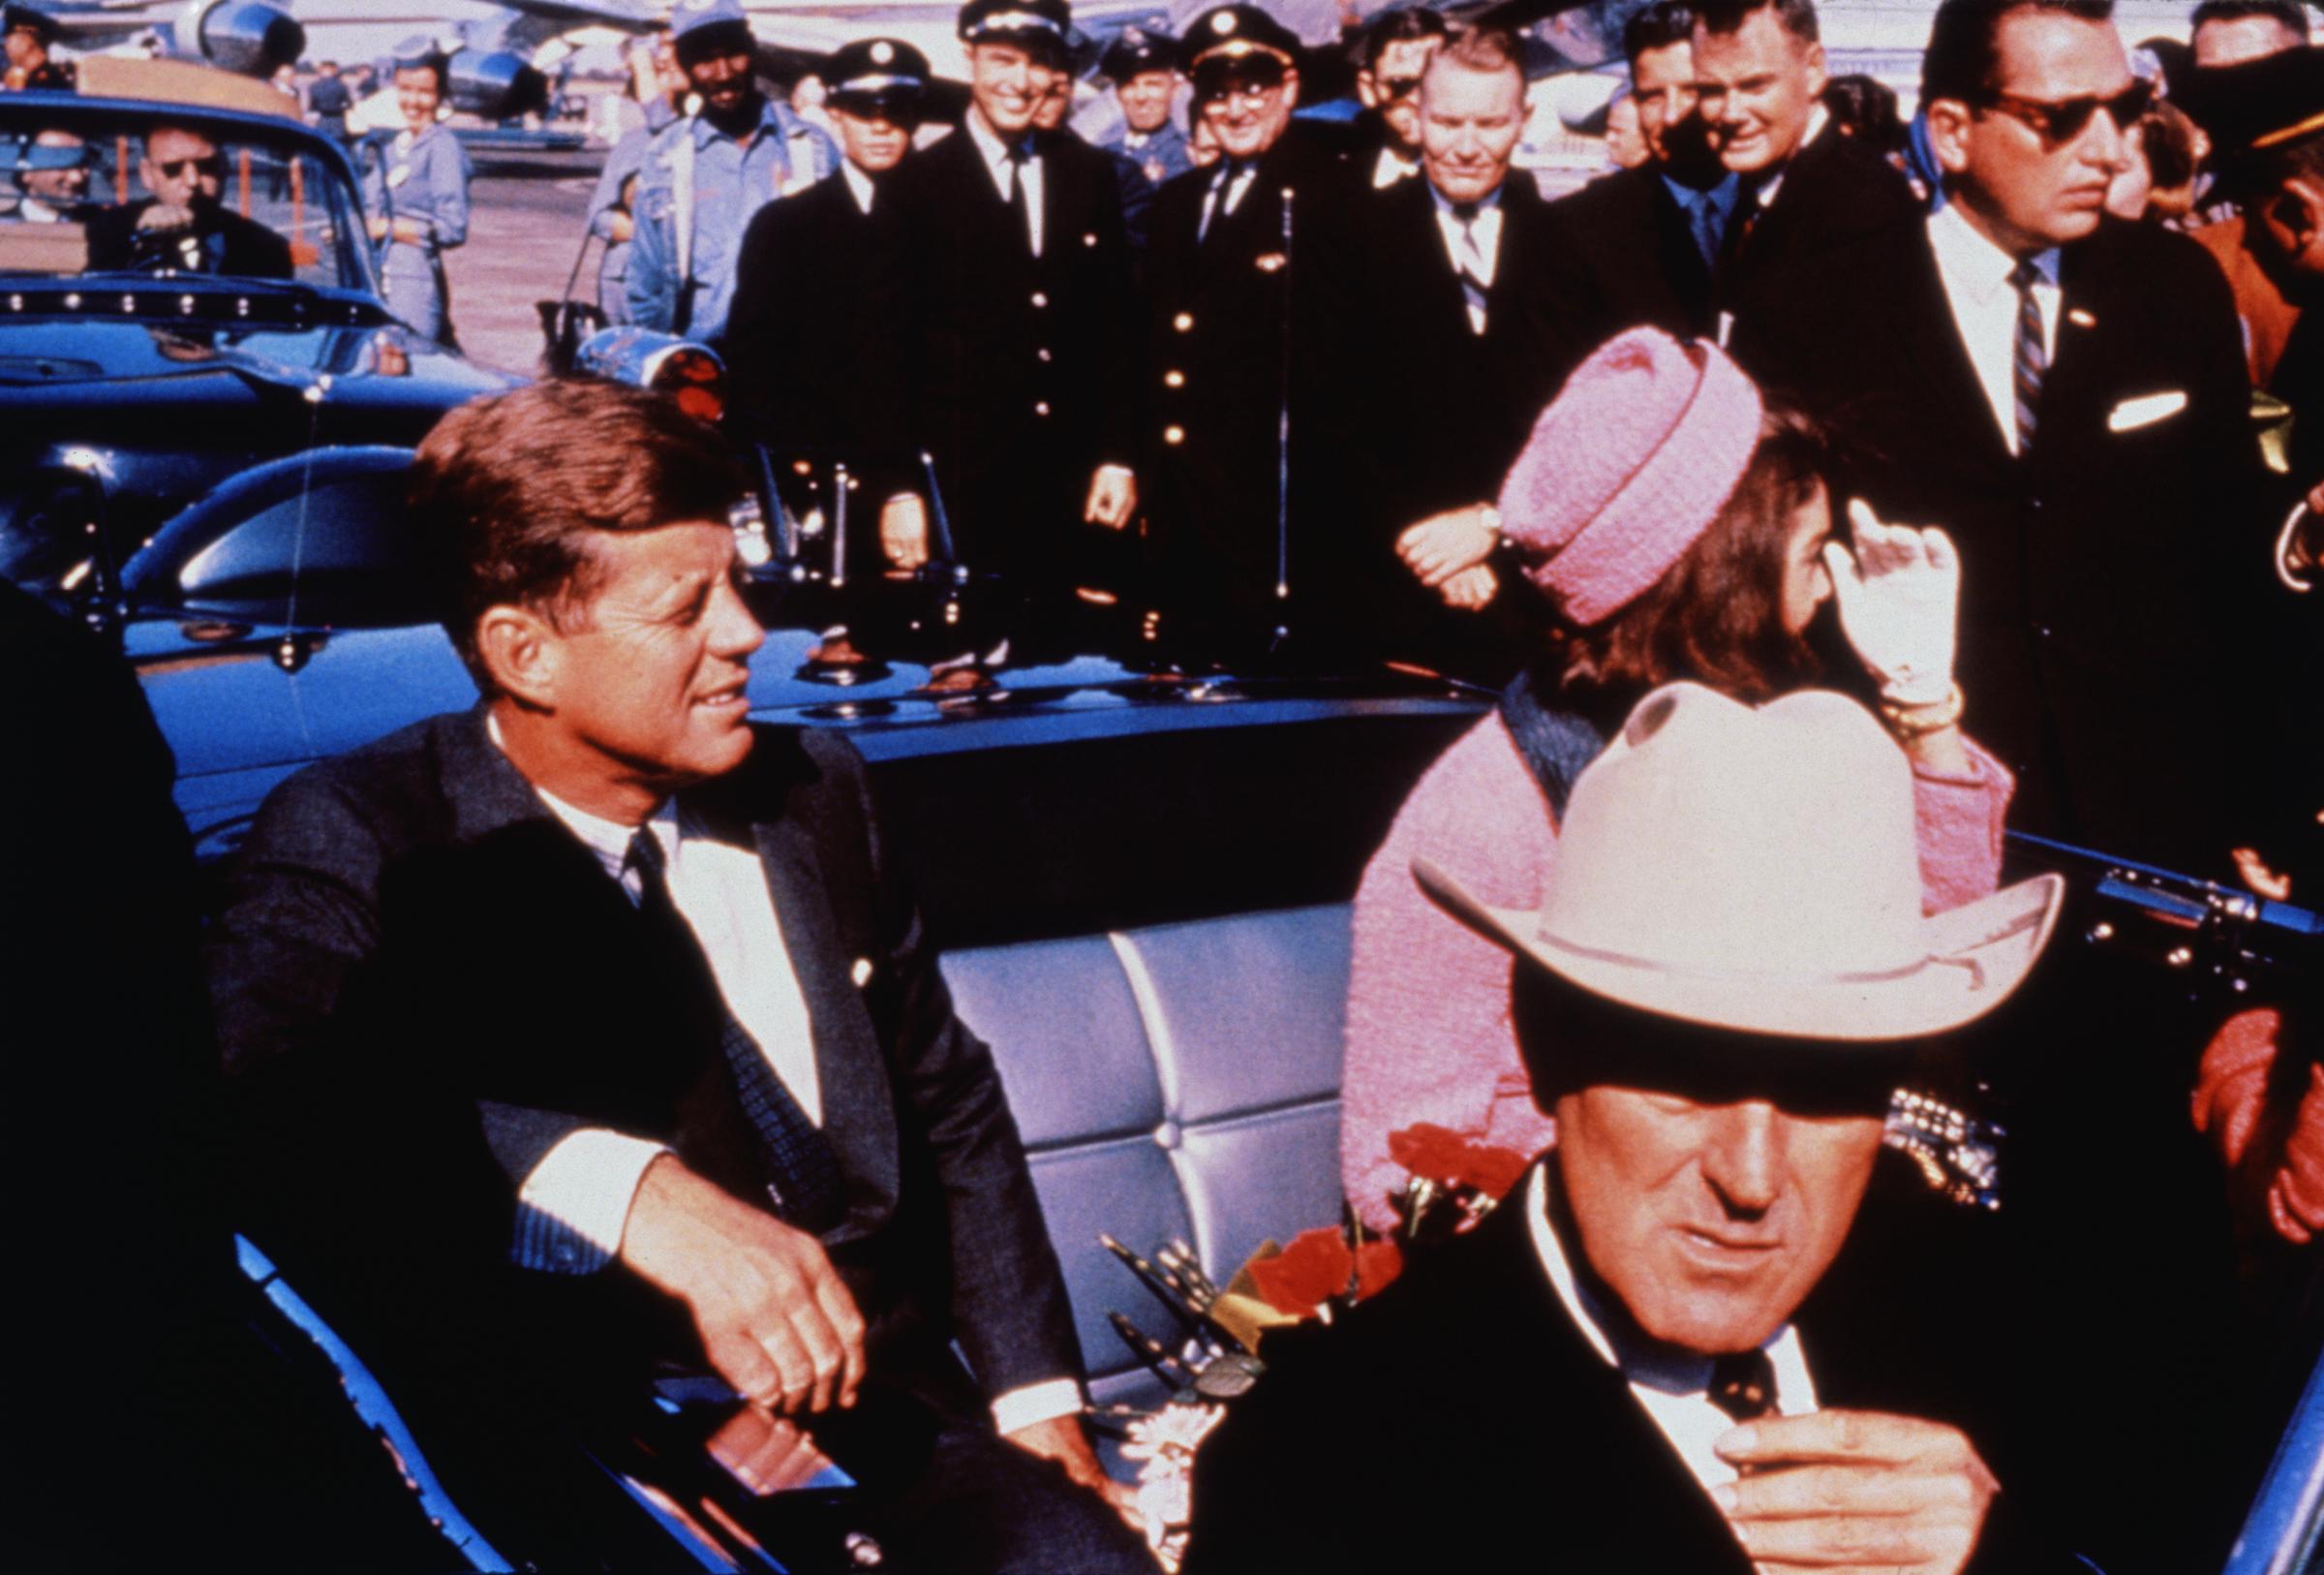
(1683, 529)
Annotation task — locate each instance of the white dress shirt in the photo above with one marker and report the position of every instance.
(1392, 167)
(1976, 276)
(1477, 243)
(1227, 188)
(1675, 1392)
(859, 184)
(995, 154)
(572, 1207)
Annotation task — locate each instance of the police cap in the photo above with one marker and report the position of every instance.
(2257, 106)
(689, 17)
(1137, 51)
(877, 72)
(1236, 33)
(39, 21)
(1047, 24)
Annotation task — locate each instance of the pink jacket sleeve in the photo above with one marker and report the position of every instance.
(1428, 1035)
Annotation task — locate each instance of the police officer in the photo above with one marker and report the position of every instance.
(705, 176)
(1023, 330)
(1228, 294)
(416, 187)
(815, 343)
(1144, 69)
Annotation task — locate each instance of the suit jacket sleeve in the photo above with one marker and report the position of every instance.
(1009, 1307)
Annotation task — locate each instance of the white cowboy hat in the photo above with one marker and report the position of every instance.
(1760, 870)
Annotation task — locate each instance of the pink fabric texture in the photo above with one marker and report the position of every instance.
(1627, 466)
(1428, 1035)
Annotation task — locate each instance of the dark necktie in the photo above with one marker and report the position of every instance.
(2029, 360)
(1020, 154)
(1743, 1385)
(1468, 262)
(1703, 221)
(803, 1178)
(1222, 191)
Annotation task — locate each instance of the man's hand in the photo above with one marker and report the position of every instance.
(1062, 1439)
(1112, 497)
(1444, 545)
(1472, 589)
(903, 529)
(775, 1322)
(165, 216)
(1855, 1492)
(766, 1453)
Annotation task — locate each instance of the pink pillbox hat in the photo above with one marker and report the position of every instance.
(1631, 462)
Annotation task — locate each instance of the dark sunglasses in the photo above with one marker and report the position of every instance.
(2062, 121)
(180, 169)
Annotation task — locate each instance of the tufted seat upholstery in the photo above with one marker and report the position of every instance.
(1175, 1081)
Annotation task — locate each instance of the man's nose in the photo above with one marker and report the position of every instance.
(1743, 1159)
(735, 631)
(2106, 145)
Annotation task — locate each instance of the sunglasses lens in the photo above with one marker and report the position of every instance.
(1397, 87)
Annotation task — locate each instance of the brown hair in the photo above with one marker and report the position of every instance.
(1715, 615)
(505, 489)
(1485, 50)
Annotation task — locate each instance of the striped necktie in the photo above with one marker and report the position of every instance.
(802, 1174)
(1468, 260)
(2029, 359)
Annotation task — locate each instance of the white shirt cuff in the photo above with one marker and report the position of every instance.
(1036, 1403)
(570, 1210)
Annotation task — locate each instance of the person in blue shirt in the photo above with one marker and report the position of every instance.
(1143, 70)
(705, 176)
(416, 189)
(612, 206)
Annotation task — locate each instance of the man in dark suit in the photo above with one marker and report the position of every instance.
(1023, 322)
(587, 1032)
(1653, 1355)
(1444, 350)
(2063, 394)
(1806, 188)
(814, 340)
(1232, 312)
(182, 225)
(1638, 247)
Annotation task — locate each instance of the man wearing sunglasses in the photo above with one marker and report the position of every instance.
(1397, 48)
(181, 227)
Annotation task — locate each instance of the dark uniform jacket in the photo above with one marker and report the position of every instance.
(1233, 322)
(815, 342)
(1833, 191)
(231, 243)
(1023, 369)
(423, 982)
(1624, 258)
(2098, 575)
(1463, 1415)
(1417, 413)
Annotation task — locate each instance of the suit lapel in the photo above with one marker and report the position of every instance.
(1932, 351)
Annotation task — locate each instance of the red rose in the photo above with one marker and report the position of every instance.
(1435, 1154)
(1315, 1268)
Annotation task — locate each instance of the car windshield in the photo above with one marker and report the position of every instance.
(87, 193)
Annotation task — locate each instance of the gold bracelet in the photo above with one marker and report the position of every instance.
(1932, 717)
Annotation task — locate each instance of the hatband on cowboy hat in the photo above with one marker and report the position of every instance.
(1758, 870)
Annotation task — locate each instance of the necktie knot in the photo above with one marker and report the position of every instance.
(2025, 276)
(1018, 151)
(1466, 212)
(645, 856)
(1743, 1385)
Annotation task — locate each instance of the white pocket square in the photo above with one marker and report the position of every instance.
(2145, 410)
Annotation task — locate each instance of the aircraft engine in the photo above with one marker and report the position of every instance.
(496, 84)
(246, 36)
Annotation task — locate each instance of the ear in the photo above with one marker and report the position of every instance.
(2302, 203)
(1367, 88)
(1291, 87)
(1818, 72)
(1949, 133)
(523, 652)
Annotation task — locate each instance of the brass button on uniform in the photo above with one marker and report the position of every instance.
(1184, 321)
(1040, 300)
(1174, 435)
(1040, 407)
(1174, 379)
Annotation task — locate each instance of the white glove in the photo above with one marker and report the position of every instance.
(1898, 592)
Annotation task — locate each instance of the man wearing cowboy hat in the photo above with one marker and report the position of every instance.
(815, 339)
(1715, 998)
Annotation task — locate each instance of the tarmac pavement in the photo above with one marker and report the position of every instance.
(524, 223)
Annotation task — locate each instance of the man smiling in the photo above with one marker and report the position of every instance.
(1618, 1370)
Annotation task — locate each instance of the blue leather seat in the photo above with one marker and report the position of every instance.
(1175, 1081)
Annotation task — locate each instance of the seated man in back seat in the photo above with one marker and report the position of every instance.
(1732, 965)
(586, 1034)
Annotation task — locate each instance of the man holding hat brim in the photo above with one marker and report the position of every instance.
(705, 176)
(817, 339)
(1229, 280)
(1023, 327)
(1143, 67)
(30, 31)
(1735, 966)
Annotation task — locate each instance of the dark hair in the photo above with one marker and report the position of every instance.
(2271, 168)
(1404, 24)
(1798, 16)
(2290, 13)
(1659, 26)
(2167, 139)
(1963, 57)
(435, 64)
(505, 489)
(1715, 615)
(713, 43)
(1865, 107)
